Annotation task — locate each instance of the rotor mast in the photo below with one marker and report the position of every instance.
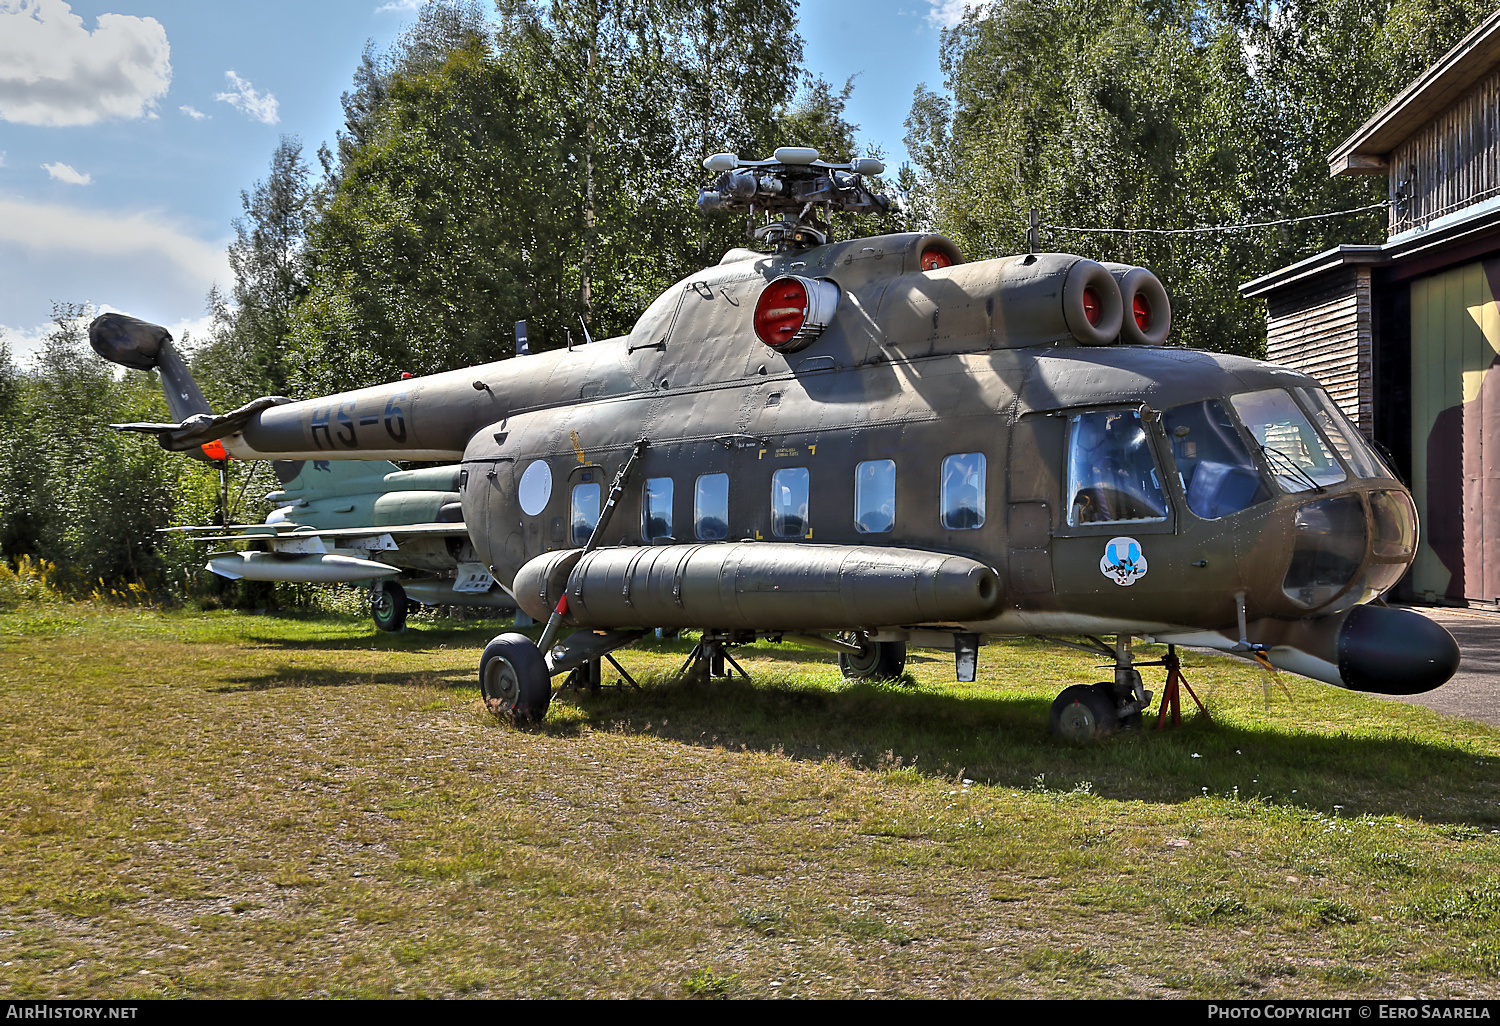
(797, 192)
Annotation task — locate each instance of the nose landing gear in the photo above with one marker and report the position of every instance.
(1084, 712)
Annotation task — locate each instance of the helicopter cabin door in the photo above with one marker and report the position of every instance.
(1116, 515)
(1032, 502)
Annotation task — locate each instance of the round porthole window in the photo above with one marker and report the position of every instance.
(536, 488)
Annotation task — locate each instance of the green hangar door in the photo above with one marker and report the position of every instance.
(1455, 346)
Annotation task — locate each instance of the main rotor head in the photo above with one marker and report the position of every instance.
(792, 188)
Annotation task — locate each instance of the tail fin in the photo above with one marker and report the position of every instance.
(134, 343)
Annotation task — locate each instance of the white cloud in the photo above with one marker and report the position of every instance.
(192, 112)
(64, 173)
(2, 158)
(400, 7)
(26, 343)
(948, 13)
(53, 71)
(53, 230)
(243, 97)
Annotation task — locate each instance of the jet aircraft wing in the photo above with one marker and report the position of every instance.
(270, 532)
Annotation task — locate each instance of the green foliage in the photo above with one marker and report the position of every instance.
(245, 355)
(30, 583)
(546, 170)
(1168, 116)
(75, 496)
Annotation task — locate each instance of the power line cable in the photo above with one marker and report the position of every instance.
(1215, 228)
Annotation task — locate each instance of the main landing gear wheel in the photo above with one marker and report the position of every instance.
(513, 679)
(388, 606)
(877, 660)
(1082, 713)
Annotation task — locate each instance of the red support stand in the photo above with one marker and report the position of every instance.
(1171, 697)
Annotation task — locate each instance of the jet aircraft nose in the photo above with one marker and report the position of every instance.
(1394, 651)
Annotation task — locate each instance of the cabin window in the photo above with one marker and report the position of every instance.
(711, 507)
(1112, 475)
(875, 496)
(585, 511)
(1297, 456)
(789, 502)
(656, 509)
(1217, 473)
(963, 490)
(1346, 438)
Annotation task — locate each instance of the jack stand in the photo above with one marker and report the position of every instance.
(1171, 697)
(589, 676)
(707, 659)
(628, 678)
(585, 677)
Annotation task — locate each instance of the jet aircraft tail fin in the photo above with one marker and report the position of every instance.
(136, 344)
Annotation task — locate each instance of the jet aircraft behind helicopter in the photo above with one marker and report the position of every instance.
(352, 521)
(873, 443)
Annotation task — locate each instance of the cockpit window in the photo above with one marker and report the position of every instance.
(1218, 475)
(1346, 438)
(1297, 456)
(1111, 473)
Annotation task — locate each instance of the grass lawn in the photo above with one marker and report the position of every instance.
(220, 805)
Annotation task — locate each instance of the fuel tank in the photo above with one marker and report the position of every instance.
(758, 585)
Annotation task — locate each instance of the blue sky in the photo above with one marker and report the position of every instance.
(129, 127)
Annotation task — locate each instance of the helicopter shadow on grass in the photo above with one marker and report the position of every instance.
(286, 676)
(1004, 741)
(423, 639)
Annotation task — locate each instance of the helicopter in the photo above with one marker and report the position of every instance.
(871, 444)
(349, 521)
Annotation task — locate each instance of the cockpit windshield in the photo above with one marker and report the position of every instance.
(1218, 475)
(1346, 438)
(1298, 457)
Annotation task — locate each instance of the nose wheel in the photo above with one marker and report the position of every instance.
(1086, 712)
(876, 660)
(513, 679)
(1082, 713)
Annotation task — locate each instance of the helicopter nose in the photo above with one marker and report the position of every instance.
(1394, 651)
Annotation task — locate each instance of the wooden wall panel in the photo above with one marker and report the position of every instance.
(1324, 330)
(1455, 346)
(1451, 163)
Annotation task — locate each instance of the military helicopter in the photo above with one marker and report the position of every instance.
(873, 444)
(349, 521)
